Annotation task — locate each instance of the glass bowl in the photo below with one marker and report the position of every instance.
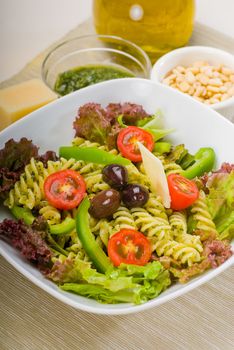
(94, 50)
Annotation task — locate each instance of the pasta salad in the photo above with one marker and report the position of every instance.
(121, 213)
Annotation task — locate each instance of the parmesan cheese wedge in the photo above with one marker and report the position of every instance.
(18, 100)
(156, 174)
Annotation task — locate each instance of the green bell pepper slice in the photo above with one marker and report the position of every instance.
(91, 247)
(186, 161)
(204, 161)
(23, 213)
(162, 147)
(64, 227)
(92, 155)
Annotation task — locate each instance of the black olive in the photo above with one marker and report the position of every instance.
(135, 195)
(105, 203)
(115, 175)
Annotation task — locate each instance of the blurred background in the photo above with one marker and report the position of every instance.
(30, 26)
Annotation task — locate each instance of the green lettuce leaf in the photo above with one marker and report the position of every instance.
(99, 293)
(159, 133)
(220, 201)
(153, 122)
(127, 283)
(155, 126)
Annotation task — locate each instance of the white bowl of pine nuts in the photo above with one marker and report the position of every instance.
(204, 73)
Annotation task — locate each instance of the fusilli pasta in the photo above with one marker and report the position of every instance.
(170, 167)
(202, 217)
(178, 251)
(122, 218)
(178, 221)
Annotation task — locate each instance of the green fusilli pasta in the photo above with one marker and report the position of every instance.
(178, 222)
(94, 182)
(102, 229)
(178, 251)
(170, 167)
(202, 217)
(155, 207)
(137, 176)
(81, 142)
(50, 213)
(153, 227)
(122, 218)
(28, 191)
(156, 227)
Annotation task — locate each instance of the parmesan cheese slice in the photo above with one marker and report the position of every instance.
(156, 174)
(18, 100)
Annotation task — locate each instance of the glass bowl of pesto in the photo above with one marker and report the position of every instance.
(87, 60)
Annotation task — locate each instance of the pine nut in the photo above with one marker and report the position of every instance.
(190, 78)
(224, 97)
(199, 64)
(217, 96)
(214, 100)
(181, 69)
(213, 88)
(184, 86)
(231, 91)
(226, 71)
(215, 82)
(205, 82)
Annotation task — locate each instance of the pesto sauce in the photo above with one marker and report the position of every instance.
(81, 77)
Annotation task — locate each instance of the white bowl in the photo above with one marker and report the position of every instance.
(51, 127)
(187, 55)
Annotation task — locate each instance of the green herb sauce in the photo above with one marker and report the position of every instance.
(81, 77)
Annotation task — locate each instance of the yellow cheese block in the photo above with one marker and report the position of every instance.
(18, 100)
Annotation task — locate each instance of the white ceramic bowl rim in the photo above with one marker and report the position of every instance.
(183, 50)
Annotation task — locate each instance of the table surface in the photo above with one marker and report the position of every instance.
(32, 319)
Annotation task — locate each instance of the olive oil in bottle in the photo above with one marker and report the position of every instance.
(158, 26)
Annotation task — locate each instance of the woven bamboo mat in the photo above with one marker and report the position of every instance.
(30, 319)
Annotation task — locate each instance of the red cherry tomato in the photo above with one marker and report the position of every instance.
(129, 247)
(64, 189)
(183, 192)
(127, 142)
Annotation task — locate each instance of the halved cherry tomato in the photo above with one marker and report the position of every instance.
(183, 192)
(64, 189)
(127, 142)
(129, 247)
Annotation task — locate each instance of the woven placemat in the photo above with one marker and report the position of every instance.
(30, 319)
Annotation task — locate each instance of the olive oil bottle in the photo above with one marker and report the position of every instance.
(158, 26)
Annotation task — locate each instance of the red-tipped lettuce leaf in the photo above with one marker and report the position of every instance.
(28, 240)
(97, 124)
(49, 155)
(15, 155)
(7, 180)
(131, 112)
(92, 123)
(13, 158)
